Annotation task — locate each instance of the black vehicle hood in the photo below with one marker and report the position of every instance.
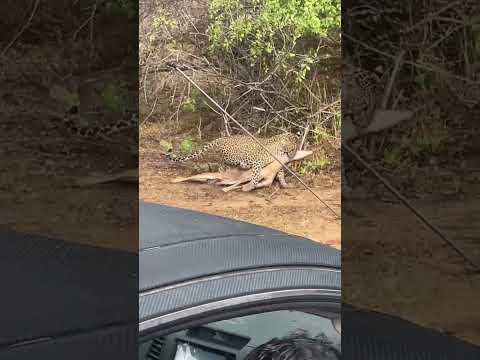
(162, 225)
(178, 245)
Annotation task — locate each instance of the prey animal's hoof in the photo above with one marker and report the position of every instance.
(248, 187)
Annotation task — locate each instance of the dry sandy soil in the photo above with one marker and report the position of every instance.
(36, 192)
(392, 263)
(295, 211)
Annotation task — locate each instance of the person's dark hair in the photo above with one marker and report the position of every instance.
(297, 346)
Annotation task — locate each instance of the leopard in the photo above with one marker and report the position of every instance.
(244, 152)
(361, 95)
(72, 116)
(97, 104)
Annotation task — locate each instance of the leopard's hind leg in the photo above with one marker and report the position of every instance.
(255, 178)
(281, 179)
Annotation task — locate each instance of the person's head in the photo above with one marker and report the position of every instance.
(297, 346)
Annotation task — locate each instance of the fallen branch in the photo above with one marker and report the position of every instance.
(22, 29)
(393, 75)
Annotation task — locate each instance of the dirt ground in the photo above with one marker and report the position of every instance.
(36, 192)
(295, 210)
(392, 263)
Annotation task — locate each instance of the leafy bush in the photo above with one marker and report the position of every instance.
(187, 145)
(314, 166)
(194, 102)
(189, 105)
(113, 96)
(290, 49)
(261, 24)
(417, 148)
(273, 29)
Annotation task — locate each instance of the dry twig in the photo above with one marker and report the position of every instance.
(22, 29)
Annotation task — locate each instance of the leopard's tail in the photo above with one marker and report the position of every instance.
(196, 154)
(70, 120)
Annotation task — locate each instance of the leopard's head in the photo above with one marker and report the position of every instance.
(289, 144)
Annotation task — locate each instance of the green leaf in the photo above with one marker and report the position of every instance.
(187, 145)
(166, 146)
(392, 157)
(64, 96)
(113, 98)
(190, 105)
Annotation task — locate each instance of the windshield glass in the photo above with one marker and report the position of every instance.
(236, 338)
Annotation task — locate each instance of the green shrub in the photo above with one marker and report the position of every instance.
(114, 97)
(272, 29)
(189, 105)
(194, 102)
(393, 157)
(314, 166)
(187, 145)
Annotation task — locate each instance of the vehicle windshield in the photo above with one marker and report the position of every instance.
(235, 338)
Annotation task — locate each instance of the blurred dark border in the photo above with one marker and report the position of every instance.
(53, 184)
(392, 262)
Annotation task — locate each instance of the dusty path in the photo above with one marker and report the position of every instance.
(36, 193)
(294, 210)
(396, 265)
